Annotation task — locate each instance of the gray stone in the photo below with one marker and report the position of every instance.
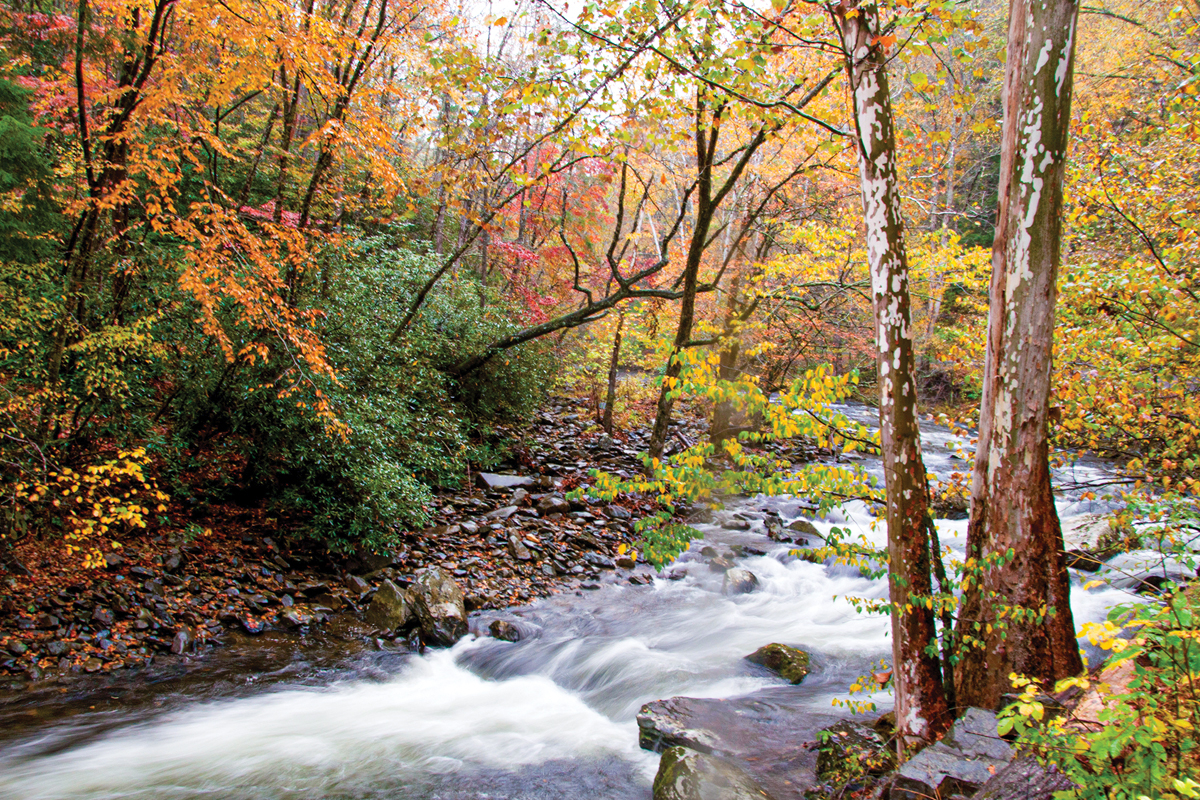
(1024, 779)
(617, 512)
(490, 480)
(439, 606)
(739, 581)
(113, 560)
(790, 663)
(298, 617)
(736, 525)
(517, 548)
(501, 513)
(720, 564)
(686, 775)
(763, 734)
(357, 585)
(553, 504)
(959, 764)
(598, 560)
(389, 609)
(181, 643)
(519, 497)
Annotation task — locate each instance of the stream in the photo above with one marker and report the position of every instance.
(550, 716)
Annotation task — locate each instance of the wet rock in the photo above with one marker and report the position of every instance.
(626, 562)
(252, 626)
(790, 663)
(440, 610)
(720, 564)
(736, 525)
(389, 609)
(102, 616)
(1024, 779)
(17, 648)
(959, 764)
(113, 560)
(848, 751)
(598, 560)
(501, 513)
(553, 504)
(760, 733)
(173, 562)
(739, 581)
(504, 630)
(618, 512)
(1084, 560)
(687, 775)
(491, 481)
(298, 617)
(519, 497)
(46, 621)
(803, 526)
(517, 548)
(357, 585)
(181, 643)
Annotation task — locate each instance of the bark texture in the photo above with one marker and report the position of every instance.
(921, 709)
(1012, 507)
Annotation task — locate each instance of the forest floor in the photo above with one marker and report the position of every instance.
(221, 570)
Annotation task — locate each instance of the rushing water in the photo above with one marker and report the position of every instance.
(551, 716)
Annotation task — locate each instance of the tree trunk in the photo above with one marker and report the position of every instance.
(921, 709)
(1012, 507)
(610, 398)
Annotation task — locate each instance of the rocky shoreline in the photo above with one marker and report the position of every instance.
(509, 538)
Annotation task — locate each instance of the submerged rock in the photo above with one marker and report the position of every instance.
(687, 775)
(790, 663)
(504, 630)
(389, 609)
(438, 603)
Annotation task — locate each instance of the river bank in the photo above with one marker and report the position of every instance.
(173, 594)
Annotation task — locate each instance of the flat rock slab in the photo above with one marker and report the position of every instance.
(490, 480)
(959, 764)
(768, 734)
(1024, 779)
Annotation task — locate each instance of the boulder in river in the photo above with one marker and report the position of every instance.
(504, 630)
(790, 663)
(687, 775)
(389, 608)
(438, 603)
(760, 733)
(739, 581)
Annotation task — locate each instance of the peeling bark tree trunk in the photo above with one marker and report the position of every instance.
(921, 709)
(1012, 507)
